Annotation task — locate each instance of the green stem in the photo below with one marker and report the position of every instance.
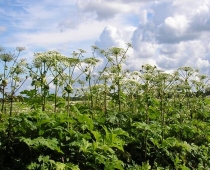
(91, 95)
(55, 98)
(105, 97)
(3, 89)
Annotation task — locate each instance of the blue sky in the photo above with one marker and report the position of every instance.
(165, 33)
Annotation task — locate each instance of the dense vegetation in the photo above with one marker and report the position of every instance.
(134, 120)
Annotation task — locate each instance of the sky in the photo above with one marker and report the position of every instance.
(166, 33)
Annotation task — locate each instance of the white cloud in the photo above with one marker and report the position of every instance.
(201, 18)
(182, 54)
(105, 9)
(65, 42)
(166, 33)
(168, 39)
(143, 41)
(157, 8)
(2, 29)
(143, 16)
(134, 63)
(146, 50)
(113, 36)
(181, 21)
(142, 52)
(202, 64)
(174, 29)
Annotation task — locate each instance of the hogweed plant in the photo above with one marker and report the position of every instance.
(42, 63)
(131, 88)
(57, 72)
(89, 117)
(69, 78)
(116, 57)
(105, 77)
(12, 68)
(90, 64)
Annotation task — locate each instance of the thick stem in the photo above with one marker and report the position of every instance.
(3, 100)
(147, 122)
(118, 93)
(163, 117)
(44, 103)
(43, 89)
(105, 96)
(146, 133)
(11, 108)
(91, 95)
(55, 98)
(68, 108)
(3, 89)
(11, 99)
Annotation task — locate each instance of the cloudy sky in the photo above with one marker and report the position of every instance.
(166, 33)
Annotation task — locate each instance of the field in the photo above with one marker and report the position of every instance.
(116, 119)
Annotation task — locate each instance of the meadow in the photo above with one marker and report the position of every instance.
(110, 119)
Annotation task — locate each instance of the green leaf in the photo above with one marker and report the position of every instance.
(60, 166)
(72, 166)
(85, 146)
(86, 122)
(42, 142)
(97, 135)
(112, 139)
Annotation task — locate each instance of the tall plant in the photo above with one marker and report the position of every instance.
(116, 57)
(40, 72)
(10, 68)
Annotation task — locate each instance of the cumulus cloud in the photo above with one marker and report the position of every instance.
(143, 41)
(174, 29)
(104, 9)
(166, 33)
(157, 8)
(112, 36)
(185, 21)
(181, 54)
(201, 18)
(97, 8)
(177, 37)
(202, 65)
(142, 52)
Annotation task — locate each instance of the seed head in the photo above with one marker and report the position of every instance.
(20, 49)
(6, 57)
